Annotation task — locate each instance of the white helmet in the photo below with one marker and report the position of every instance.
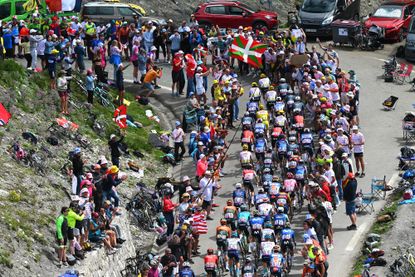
(238, 185)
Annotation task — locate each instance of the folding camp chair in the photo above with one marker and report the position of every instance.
(390, 103)
(405, 75)
(378, 187)
(366, 203)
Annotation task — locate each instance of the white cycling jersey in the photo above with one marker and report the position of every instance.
(266, 248)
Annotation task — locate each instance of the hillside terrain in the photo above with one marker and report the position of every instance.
(30, 201)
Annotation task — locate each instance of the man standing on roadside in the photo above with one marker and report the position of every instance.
(178, 137)
(349, 196)
(114, 146)
(206, 186)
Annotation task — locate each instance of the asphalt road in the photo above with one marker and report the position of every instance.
(383, 133)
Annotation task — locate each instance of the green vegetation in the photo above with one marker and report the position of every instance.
(378, 228)
(14, 196)
(5, 258)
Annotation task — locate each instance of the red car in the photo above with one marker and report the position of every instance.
(394, 16)
(232, 14)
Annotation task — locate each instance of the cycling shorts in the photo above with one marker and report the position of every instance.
(266, 258)
(233, 254)
(286, 245)
(249, 185)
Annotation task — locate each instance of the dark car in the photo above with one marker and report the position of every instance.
(232, 14)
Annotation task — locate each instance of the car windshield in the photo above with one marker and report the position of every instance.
(318, 6)
(389, 12)
(246, 7)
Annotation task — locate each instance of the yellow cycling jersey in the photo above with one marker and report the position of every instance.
(263, 114)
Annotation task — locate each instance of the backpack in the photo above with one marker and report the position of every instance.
(70, 273)
(408, 194)
(86, 246)
(52, 140)
(79, 254)
(29, 136)
(71, 259)
(143, 100)
(407, 152)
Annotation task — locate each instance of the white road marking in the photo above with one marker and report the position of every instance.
(356, 237)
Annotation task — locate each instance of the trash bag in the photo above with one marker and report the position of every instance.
(29, 136)
(53, 140)
(407, 152)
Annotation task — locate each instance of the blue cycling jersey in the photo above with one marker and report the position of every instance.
(282, 146)
(280, 220)
(256, 223)
(239, 197)
(288, 234)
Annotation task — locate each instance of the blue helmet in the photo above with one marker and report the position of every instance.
(408, 174)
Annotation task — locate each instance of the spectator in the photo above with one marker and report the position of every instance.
(178, 138)
(349, 195)
(62, 235)
(358, 142)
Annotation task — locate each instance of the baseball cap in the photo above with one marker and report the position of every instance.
(355, 127)
(189, 189)
(185, 178)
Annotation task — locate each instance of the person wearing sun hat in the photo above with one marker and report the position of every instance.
(110, 182)
(358, 141)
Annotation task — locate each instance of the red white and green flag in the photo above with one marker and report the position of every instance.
(247, 50)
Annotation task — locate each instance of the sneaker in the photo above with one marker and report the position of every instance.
(221, 174)
(215, 205)
(352, 227)
(209, 218)
(157, 86)
(330, 246)
(65, 263)
(118, 246)
(362, 175)
(357, 174)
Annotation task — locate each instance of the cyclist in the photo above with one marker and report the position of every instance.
(211, 262)
(283, 199)
(223, 232)
(280, 120)
(289, 100)
(245, 157)
(247, 121)
(260, 146)
(256, 224)
(244, 217)
(268, 230)
(266, 177)
(260, 197)
(276, 132)
(270, 98)
(254, 93)
(259, 128)
(266, 250)
(292, 144)
(265, 209)
(288, 242)
(252, 108)
(249, 269)
(247, 137)
(298, 105)
(298, 121)
(263, 114)
(186, 271)
(274, 189)
(306, 140)
(283, 87)
(277, 262)
(264, 82)
(248, 177)
(238, 195)
(282, 146)
(269, 159)
(290, 184)
(234, 248)
(279, 106)
(280, 219)
(230, 213)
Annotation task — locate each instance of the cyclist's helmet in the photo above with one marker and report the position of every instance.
(243, 208)
(297, 98)
(278, 99)
(261, 106)
(262, 75)
(248, 259)
(259, 120)
(210, 251)
(280, 210)
(260, 190)
(268, 224)
(280, 112)
(223, 221)
(306, 130)
(290, 175)
(238, 185)
(292, 139)
(282, 81)
(229, 202)
(277, 248)
(287, 224)
(254, 84)
(186, 264)
(245, 147)
(234, 234)
(267, 170)
(290, 91)
(275, 178)
(246, 113)
(271, 87)
(292, 164)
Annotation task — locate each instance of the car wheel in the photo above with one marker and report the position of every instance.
(259, 25)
